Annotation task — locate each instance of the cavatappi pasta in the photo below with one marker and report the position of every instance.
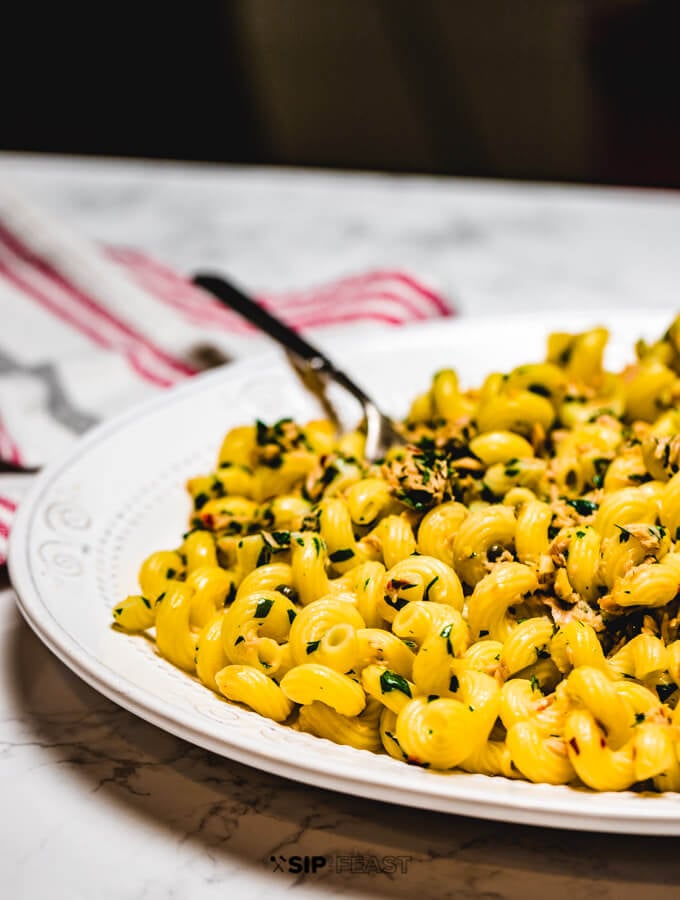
(500, 594)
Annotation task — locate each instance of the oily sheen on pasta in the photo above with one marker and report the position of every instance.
(500, 594)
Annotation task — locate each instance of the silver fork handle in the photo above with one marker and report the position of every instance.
(235, 299)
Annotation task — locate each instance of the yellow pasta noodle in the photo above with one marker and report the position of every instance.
(135, 613)
(538, 758)
(175, 639)
(247, 685)
(362, 731)
(420, 578)
(499, 594)
(210, 655)
(311, 681)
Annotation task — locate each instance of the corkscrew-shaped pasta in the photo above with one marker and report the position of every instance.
(500, 594)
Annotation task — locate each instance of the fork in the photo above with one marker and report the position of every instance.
(381, 432)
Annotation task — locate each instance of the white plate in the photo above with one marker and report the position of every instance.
(89, 520)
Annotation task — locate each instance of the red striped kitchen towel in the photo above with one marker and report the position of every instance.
(87, 331)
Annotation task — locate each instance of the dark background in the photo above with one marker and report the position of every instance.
(575, 90)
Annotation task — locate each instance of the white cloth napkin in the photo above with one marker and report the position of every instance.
(87, 331)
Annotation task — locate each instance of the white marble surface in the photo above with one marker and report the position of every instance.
(97, 803)
(487, 244)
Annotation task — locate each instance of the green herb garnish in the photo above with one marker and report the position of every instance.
(426, 592)
(341, 555)
(200, 500)
(584, 507)
(264, 604)
(390, 681)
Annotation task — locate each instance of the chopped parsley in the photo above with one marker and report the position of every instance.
(329, 474)
(624, 534)
(217, 488)
(312, 646)
(276, 541)
(426, 592)
(231, 594)
(264, 556)
(390, 681)
(584, 507)
(541, 390)
(446, 633)
(272, 462)
(264, 604)
(261, 433)
(416, 498)
(341, 555)
(278, 426)
(399, 585)
(200, 500)
(395, 602)
(565, 355)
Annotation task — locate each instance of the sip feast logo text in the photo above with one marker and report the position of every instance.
(354, 864)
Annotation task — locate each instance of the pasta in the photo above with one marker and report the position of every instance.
(500, 594)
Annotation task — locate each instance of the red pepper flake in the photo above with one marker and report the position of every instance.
(414, 761)
(574, 746)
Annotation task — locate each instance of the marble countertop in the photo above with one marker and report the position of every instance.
(98, 803)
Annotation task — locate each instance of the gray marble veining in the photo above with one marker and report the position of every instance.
(488, 245)
(97, 802)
